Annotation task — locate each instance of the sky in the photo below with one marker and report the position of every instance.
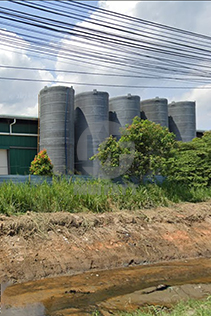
(21, 98)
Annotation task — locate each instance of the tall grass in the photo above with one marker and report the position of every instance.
(93, 195)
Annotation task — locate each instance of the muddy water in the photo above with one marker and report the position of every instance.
(110, 290)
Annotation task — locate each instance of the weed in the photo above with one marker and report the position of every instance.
(191, 307)
(93, 196)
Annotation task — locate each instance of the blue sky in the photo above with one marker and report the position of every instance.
(21, 97)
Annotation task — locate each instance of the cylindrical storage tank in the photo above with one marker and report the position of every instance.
(56, 107)
(182, 120)
(91, 129)
(122, 111)
(155, 110)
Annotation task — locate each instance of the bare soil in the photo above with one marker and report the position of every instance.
(34, 246)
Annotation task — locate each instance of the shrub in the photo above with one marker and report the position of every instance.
(191, 163)
(144, 147)
(41, 165)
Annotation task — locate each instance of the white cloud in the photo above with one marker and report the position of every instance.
(124, 7)
(19, 97)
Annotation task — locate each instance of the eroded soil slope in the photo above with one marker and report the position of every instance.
(34, 246)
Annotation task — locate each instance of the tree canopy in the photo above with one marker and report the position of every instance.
(143, 148)
(191, 162)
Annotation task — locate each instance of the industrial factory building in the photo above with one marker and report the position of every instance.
(18, 143)
(71, 127)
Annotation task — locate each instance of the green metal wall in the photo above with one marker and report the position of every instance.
(21, 149)
(21, 126)
(4, 127)
(28, 127)
(7, 141)
(20, 160)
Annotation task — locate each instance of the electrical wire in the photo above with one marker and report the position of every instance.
(104, 85)
(148, 49)
(36, 17)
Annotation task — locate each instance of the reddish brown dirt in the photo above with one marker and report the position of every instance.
(34, 246)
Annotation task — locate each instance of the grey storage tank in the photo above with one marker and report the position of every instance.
(182, 120)
(91, 129)
(56, 108)
(122, 111)
(155, 110)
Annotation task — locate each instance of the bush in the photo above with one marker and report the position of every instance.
(191, 163)
(41, 165)
(144, 147)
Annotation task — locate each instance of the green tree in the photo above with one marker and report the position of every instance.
(144, 147)
(41, 165)
(191, 162)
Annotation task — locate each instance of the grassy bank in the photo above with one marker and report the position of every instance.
(189, 308)
(192, 307)
(96, 196)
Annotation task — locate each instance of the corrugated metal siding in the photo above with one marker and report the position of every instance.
(20, 160)
(21, 149)
(18, 141)
(28, 127)
(4, 127)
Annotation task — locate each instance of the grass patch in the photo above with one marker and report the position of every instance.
(189, 308)
(92, 196)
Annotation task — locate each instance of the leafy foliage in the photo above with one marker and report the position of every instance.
(41, 165)
(144, 147)
(148, 148)
(191, 162)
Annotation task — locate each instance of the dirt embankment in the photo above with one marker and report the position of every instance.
(34, 246)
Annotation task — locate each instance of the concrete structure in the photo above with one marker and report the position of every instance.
(56, 107)
(182, 120)
(91, 129)
(122, 111)
(155, 110)
(18, 143)
(93, 119)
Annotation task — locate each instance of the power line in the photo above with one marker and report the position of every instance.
(104, 85)
(68, 24)
(74, 52)
(98, 74)
(83, 31)
(113, 26)
(18, 16)
(153, 56)
(138, 20)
